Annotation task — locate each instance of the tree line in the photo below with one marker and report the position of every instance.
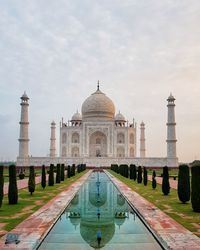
(61, 171)
(187, 189)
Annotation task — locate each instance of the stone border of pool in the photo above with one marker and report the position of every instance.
(168, 230)
(34, 229)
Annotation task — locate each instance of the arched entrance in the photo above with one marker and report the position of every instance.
(98, 145)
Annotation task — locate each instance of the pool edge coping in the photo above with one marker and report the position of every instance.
(175, 236)
(29, 238)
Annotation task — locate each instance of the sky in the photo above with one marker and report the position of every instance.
(139, 50)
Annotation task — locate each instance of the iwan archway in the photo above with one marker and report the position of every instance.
(98, 145)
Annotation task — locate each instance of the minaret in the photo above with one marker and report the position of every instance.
(53, 140)
(171, 129)
(24, 124)
(142, 140)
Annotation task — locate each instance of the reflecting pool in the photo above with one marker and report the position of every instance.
(99, 218)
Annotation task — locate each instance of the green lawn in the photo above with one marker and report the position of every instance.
(170, 204)
(6, 174)
(172, 172)
(12, 215)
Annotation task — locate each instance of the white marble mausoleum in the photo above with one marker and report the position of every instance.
(98, 136)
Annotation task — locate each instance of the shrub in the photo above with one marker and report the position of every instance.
(58, 174)
(195, 196)
(43, 181)
(184, 183)
(145, 177)
(1, 185)
(154, 183)
(21, 175)
(62, 176)
(139, 175)
(165, 181)
(68, 171)
(115, 168)
(12, 188)
(31, 180)
(125, 170)
(131, 171)
(73, 170)
(134, 172)
(51, 175)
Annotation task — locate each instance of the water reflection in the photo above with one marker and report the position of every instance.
(97, 208)
(99, 213)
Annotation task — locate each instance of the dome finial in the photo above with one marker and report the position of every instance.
(98, 85)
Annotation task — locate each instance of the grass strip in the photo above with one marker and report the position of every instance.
(12, 215)
(170, 204)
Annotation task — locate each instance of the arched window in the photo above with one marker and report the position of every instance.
(120, 138)
(64, 138)
(75, 138)
(98, 141)
(120, 152)
(131, 139)
(64, 151)
(132, 152)
(75, 152)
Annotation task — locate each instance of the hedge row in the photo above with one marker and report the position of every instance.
(60, 176)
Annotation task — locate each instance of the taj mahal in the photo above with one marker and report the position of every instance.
(98, 136)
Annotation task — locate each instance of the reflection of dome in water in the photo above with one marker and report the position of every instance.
(119, 221)
(89, 230)
(75, 221)
(93, 194)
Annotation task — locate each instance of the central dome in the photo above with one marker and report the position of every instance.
(98, 106)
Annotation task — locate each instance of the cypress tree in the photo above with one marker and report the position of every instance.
(31, 180)
(62, 177)
(43, 181)
(134, 172)
(139, 175)
(154, 183)
(1, 185)
(184, 183)
(12, 188)
(79, 168)
(58, 174)
(165, 181)
(114, 167)
(131, 171)
(73, 170)
(195, 195)
(51, 175)
(125, 170)
(145, 177)
(68, 171)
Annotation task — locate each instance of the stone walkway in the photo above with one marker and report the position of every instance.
(32, 230)
(22, 183)
(174, 235)
(173, 183)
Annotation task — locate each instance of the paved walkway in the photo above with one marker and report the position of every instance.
(22, 183)
(32, 230)
(173, 183)
(174, 235)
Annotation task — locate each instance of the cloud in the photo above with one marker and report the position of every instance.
(139, 50)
